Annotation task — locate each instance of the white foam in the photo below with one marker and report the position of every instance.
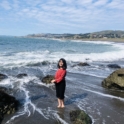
(5, 82)
(82, 41)
(106, 95)
(60, 119)
(87, 73)
(94, 42)
(60, 40)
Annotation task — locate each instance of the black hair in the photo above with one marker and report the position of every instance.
(64, 64)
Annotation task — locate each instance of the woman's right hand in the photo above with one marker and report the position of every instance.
(53, 81)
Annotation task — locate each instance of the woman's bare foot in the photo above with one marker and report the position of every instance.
(62, 103)
(58, 106)
(62, 106)
(59, 103)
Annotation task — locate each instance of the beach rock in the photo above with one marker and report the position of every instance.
(7, 90)
(4, 89)
(81, 64)
(2, 77)
(87, 59)
(1, 117)
(113, 66)
(21, 75)
(45, 62)
(47, 79)
(80, 117)
(114, 80)
(7, 104)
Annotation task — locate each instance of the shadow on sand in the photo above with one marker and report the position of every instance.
(33, 98)
(75, 98)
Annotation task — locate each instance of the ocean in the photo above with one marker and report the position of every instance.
(38, 57)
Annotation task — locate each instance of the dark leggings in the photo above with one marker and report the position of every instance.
(60, 89)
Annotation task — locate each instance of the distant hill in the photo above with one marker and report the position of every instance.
(101, 35)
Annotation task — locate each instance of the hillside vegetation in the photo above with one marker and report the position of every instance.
(108, 34)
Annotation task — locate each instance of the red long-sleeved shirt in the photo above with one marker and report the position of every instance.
(60, 75)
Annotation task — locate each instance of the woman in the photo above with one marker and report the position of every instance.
(60, 83)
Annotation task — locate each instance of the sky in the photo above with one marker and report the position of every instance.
(23, 17)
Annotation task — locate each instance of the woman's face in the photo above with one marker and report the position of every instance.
(60, 63)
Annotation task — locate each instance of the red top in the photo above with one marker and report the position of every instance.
(60, 75)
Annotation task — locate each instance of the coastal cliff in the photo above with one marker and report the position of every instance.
(101, 35)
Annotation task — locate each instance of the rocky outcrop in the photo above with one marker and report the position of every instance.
(2, 77)
(21, 75)
(80, 117)
(115, 80)
(6, 90)
(45, 63)
(1, 117)
(81, 64)
(8, 104)
(114, 66)
(47, 79)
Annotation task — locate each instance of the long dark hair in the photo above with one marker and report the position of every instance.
(64, 64)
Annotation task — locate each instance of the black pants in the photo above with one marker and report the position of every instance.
(60, 89)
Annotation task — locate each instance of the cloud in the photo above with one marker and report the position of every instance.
(15, 4)
(5, 4)
(67, 1)
(100, 2)
(78, 16)
(116, 4)
(84, 2)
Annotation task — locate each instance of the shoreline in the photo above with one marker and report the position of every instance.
(109, 39)
(119, 40)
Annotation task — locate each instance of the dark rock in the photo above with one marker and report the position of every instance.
(47, 79)
(6, 90)
(73, 65)
(81, 64)
(1, 117)
(113, 66)
(114, 80)
(45, 63)
(3, 89)
(7, 104)
(80, 117)
(2, 77)
(87, 59)
(21, 75)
